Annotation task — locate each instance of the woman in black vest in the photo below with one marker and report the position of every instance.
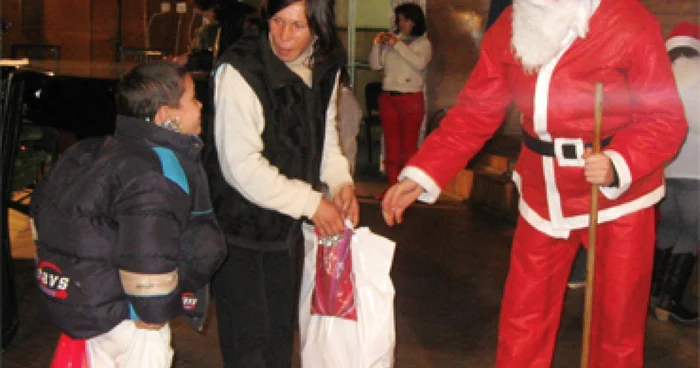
(277, 143)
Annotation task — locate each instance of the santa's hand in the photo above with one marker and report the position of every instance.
(598, 168)
(398, 198)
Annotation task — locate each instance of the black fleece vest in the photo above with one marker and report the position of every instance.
(295, 120)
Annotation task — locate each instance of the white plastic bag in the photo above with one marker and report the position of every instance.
(340, 343)
(126, 346)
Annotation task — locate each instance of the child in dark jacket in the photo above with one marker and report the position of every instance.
(125, 235)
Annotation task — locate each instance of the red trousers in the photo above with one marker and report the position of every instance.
(402, 116)
(534, 293)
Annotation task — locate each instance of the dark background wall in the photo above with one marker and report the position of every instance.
(87, 29)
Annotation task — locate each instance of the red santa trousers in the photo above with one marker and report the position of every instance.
(402, 116)
(534, 293)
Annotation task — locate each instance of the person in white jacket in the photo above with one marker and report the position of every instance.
(677, 239)
(404, 57)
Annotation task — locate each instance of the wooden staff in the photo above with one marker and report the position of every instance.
(592, 230)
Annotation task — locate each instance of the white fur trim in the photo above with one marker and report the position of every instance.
(623, 173)
(562, 230)
(432, 190)
(540, 122)
(678, 41)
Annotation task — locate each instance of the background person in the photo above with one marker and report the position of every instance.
(678, 240)
(403, 56)
(275, 102)
(126, 223)
(349, 119)
(201, 53)
(547, 56)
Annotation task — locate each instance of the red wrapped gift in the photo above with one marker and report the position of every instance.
(333, 292)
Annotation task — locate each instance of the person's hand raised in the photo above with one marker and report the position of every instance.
(398, 198)
(391, 39)
(380, 38)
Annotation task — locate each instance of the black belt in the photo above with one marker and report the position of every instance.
(547, 148)
(397, 93)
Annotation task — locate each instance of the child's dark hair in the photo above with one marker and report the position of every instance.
(414, 13)
(321, 17)
(147, 87)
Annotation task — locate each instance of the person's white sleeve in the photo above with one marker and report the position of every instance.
(335, 171)
(375, 57)
(431, 188)
(238, 126)
(418, 55)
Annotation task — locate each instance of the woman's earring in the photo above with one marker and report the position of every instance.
(172, 124)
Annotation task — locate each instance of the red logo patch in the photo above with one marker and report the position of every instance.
(51, 282)
(189, 301)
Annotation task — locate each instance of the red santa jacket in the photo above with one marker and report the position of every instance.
(642, 113)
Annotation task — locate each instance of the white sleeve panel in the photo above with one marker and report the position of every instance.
(238, 126)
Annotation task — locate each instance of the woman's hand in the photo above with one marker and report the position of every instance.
(328, 218)
(391, 39)
(385, 38)
(398, 198)
(379, 38)
(598, 168)
(347, 203)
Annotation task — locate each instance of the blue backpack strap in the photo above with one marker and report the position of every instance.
(172, 169)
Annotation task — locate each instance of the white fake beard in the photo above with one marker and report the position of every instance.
(541, 26)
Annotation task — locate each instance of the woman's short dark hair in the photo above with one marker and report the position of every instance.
(321, 17)
(414, 13)
(147, 87)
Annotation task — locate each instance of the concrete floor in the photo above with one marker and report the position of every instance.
(449, 269)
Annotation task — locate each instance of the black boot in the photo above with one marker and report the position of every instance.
(680, 267)
(661, 258)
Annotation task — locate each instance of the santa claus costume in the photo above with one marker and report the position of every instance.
(547, 56)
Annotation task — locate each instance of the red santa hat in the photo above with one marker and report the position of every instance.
(685, 34)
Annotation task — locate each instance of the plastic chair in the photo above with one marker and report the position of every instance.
(35, 51)
(372, 92)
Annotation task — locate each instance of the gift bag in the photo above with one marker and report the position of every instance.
(70, 353)
(333, 289)
(368, 341)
